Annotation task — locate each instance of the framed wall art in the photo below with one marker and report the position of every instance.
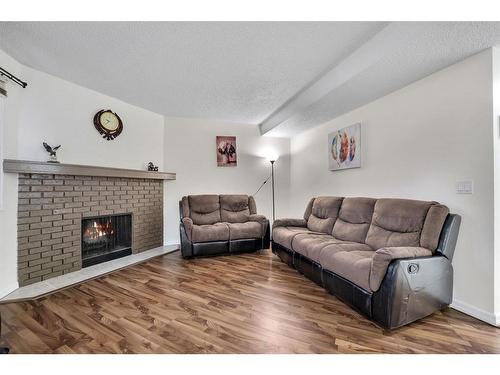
(344, 148)
(226, 151)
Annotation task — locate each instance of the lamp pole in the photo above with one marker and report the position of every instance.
(272, 183)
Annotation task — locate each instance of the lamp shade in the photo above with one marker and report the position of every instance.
(272, 156)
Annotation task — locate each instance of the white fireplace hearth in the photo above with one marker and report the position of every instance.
(42, 288)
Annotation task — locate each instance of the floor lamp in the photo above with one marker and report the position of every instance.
(272, 159)
(272, 185)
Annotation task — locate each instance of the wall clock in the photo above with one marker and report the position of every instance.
(108, 124)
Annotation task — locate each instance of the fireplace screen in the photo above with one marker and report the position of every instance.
(105, 238)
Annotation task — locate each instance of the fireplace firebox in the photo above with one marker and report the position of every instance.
(105, 238)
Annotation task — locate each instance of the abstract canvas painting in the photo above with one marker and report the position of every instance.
(344, 148)
(226, 151)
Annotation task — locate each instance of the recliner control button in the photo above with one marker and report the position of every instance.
(413, 268)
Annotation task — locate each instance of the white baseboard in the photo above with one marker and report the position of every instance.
(8, 289)
(480, 314)
(172, 243)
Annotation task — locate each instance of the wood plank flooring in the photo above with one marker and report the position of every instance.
(238, 304)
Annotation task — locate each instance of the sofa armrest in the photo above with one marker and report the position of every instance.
(258, 218)
(264, 222)
(188, 226)
(384, 256)
(289, 223)
(186, 231)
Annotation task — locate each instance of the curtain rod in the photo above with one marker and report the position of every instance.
(12, 77)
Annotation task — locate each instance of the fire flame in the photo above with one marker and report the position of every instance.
(98, 230)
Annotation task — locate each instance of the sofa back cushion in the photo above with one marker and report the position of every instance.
(309, 208)
(184, 207)
(251, 205)
(234, 208)
(204, 209)
(397, 222)
(433, 225)
(324, 212)
(354, 219)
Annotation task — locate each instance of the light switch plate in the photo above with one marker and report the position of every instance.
(464, 187)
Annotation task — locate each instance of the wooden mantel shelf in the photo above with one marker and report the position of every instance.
(40, 167)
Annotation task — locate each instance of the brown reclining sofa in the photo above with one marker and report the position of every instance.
(388, 258)
(221, 224)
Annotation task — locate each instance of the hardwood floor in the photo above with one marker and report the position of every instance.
(239, 304)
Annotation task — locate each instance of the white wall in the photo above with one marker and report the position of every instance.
(59, 112)
(496, 142)
(190, 152)
(8, 213)
(416, 143)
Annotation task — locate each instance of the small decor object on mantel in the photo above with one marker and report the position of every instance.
(52, 153)
(108, 123)
(226, 151)
(344, 148)
(152, 167)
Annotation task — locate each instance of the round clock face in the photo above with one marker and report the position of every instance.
(108, 124)
(109, 121)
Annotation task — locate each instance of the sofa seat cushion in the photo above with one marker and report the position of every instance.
(285, 235)
(309, 244)
(353, 265)
(250, 229)
(327, 251)
(325, 255)
(360, 265)
(208, 233)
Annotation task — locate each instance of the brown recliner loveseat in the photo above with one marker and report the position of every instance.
(221, 224)
(388, 258)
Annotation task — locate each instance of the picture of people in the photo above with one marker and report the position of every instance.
(344, 148)
(226, 151)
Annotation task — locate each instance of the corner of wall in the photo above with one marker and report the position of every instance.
(496, 142)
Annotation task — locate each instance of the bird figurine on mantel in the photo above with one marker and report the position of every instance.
(52, 153)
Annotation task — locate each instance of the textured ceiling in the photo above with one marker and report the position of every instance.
(285, 76)
(229, 71)
(401, 53)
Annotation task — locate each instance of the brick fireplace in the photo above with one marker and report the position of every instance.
(51, 208)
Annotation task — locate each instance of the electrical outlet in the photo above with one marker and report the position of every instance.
(464, 187)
